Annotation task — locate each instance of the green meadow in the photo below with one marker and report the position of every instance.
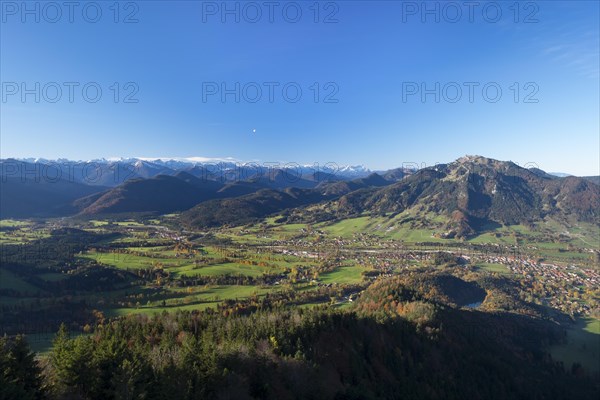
(491, 267)
(583, 345)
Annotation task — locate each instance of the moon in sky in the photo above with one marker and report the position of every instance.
(253, 130)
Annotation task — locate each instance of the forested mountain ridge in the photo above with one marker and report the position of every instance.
(473, 192)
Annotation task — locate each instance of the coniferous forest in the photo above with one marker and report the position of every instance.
(394, 344)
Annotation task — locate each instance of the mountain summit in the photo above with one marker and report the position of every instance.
(475, 191)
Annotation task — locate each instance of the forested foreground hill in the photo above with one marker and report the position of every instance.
(395, 345)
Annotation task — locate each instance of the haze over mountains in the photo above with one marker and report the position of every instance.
(42, 188)
(472, 192)
(111, 172)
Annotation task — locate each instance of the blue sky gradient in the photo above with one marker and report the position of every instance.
(365, 59)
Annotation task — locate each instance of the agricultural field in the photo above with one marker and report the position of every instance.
(129, 261)
(18, 232)
(491, 267)
(201, 299)
(344, 274)
(159, 267)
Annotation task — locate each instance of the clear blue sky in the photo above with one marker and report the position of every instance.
(367, 57)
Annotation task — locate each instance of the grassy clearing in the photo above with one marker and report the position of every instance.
(344, 274)
(493, 238)
(410, 235)
(131, 261)
(6, 238)
(125, 223)
(383, 227)
(263, 233)
(350, 226)
(13, 223)
(583, 345)
(95, 222)
(136, 238)
(21, 234)
(226, 269)
(128, 223)
(592, 325)
(199, 300)
(343, 305)
(491, 267)
(246, 238)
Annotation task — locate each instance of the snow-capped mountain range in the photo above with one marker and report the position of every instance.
(114, 171)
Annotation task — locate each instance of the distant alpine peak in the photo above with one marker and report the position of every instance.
(477, 160)
(360, 168)
(484, 162)
(469, 158)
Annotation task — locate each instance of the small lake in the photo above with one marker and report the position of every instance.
(474, 305)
